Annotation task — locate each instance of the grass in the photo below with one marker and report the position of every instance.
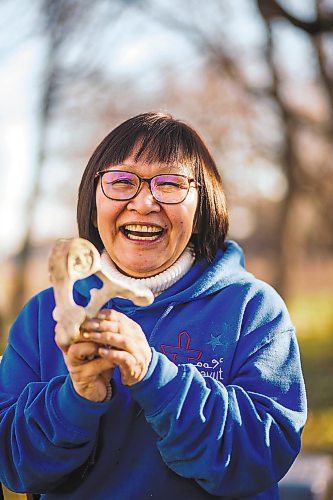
(312, 314)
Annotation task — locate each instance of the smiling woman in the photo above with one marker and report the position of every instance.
(163, 400)
(161, 162)
(154, 143)
(146, 225)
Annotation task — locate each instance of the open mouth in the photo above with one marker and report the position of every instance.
(141, 232)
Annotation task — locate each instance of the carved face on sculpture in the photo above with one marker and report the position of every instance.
(74, 259)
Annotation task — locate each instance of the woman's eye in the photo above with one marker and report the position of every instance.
(171, 185)
(120, 182)
(123, 181)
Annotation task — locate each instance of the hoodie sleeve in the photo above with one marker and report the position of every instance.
(47, 430)
(240, 438)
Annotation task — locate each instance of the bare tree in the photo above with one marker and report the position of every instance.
(62, 24)
(205, 30)
(290, 158)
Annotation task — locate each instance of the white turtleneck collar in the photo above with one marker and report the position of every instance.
(158, 283)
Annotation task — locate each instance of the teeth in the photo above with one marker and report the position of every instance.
(142, 229)
(148, 233)
(133, 237)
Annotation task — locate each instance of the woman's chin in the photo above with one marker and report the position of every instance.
(140, 271)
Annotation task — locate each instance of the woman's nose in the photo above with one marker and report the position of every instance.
(144, 202)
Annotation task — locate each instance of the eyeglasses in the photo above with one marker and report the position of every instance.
(120, 185)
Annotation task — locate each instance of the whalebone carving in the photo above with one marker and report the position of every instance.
(74, 259)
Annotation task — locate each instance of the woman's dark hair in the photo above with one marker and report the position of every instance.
(158, 137)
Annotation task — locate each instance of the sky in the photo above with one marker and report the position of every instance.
(136, 53)
(20, 69)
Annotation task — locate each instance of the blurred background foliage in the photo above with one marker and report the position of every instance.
(255, 77)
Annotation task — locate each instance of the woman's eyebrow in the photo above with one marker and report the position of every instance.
(165, 168)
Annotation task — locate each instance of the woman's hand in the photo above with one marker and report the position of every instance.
(119, 342)
(109, 340)
(90, 373)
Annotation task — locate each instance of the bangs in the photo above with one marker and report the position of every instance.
(173, 146)
(152, 138)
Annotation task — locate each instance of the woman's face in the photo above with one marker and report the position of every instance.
(126, 227)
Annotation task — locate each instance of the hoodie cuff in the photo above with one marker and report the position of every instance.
(158, 386)
(77, 411)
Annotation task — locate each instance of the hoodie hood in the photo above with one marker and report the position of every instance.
(227, 267)
(202, 280)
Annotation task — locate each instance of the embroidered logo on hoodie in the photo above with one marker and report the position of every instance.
(182, 352)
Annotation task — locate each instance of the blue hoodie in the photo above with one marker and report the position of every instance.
(219, 412)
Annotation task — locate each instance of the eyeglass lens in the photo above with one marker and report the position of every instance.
(166, 188)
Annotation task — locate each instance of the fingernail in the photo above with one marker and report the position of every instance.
(94, 324)
(86, 335)
(103, 351)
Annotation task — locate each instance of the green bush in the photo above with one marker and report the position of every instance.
(312, 314)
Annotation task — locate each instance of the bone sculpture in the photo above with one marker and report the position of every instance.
(74, 259)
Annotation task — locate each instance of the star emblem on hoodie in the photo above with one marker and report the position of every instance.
(215, 341)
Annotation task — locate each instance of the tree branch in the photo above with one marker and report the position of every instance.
(271, 9)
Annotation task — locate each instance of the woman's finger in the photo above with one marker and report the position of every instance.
(132, 367)
(127, 363)
(81, 352)
(99, 325)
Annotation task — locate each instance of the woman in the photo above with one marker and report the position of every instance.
(201, 393)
